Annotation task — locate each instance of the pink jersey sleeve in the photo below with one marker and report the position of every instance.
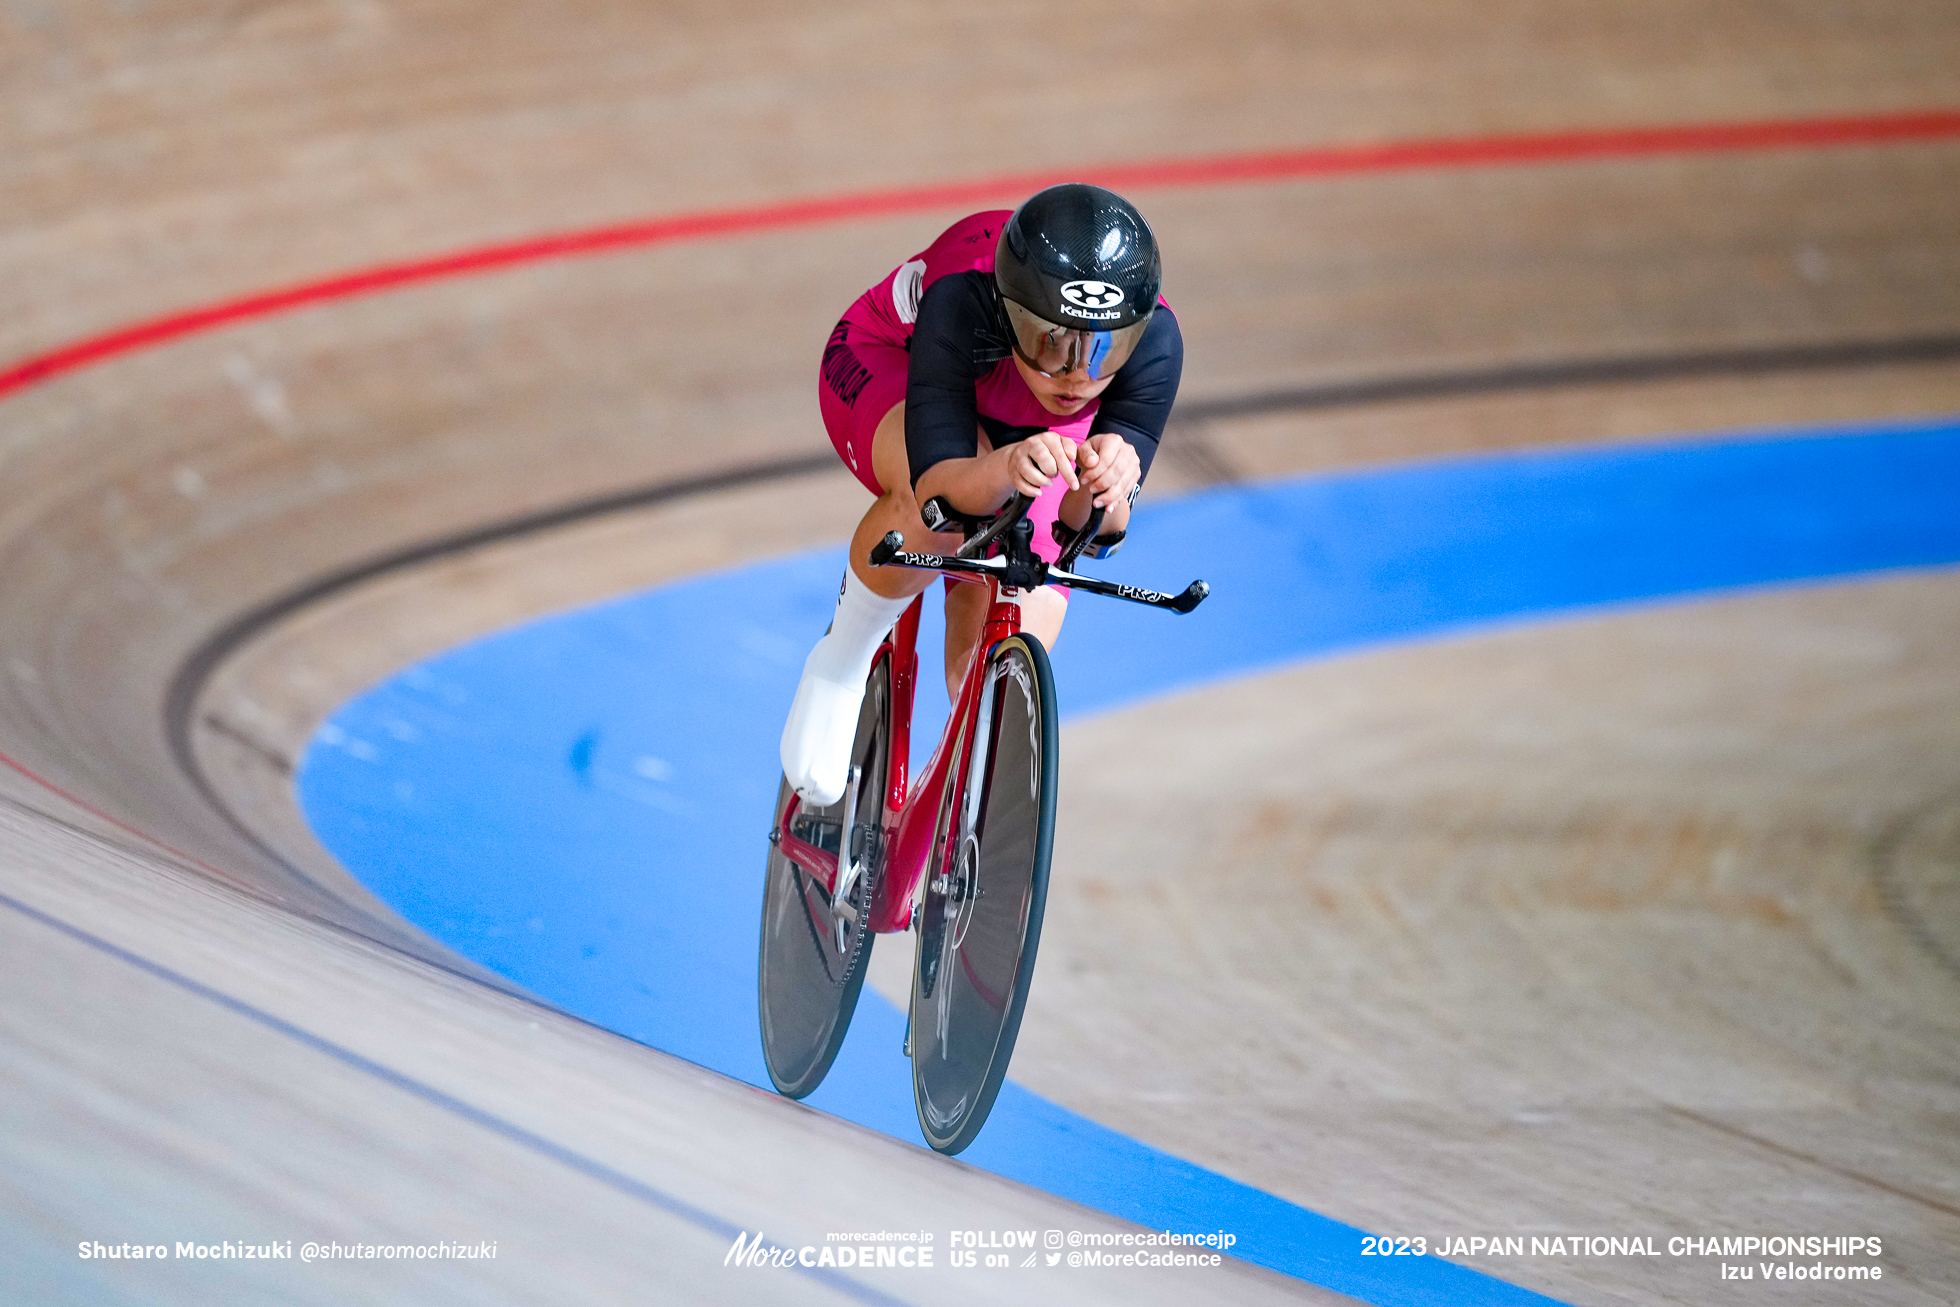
(966, 246)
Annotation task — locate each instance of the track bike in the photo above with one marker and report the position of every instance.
(961, 857)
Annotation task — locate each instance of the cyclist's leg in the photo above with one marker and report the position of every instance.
(895, 509)
(966, 617)
(1042, 611)
(817, 735)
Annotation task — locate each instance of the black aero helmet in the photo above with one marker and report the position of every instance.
(1078, 273)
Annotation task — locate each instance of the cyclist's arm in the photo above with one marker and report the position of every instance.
(942, 415)
(976, 485)
(953, 347)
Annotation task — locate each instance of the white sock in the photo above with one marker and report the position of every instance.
(823, 720)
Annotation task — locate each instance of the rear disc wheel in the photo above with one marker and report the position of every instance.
(813, 953)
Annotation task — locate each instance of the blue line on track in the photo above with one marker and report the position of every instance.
(579, 803)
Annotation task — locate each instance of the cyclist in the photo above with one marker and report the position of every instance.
(1019, 352)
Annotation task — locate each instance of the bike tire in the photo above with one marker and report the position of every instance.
(810, 964)
(980, 921)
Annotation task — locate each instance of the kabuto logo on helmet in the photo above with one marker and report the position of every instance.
(1080, 258)
(1092, 294)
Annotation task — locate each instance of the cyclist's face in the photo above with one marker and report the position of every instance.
(1067, 394)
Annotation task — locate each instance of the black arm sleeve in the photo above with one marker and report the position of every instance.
(953, 346)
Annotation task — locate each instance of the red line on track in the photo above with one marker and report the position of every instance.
(120, 825)
(1283, 165)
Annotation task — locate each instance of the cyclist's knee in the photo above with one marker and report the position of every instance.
(901, 508)
(896, 511)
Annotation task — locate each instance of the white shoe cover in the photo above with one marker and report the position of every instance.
(818, 736)
(823, 720)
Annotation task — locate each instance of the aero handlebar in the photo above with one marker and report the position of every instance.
(1020, 568)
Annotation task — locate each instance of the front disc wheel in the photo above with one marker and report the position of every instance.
(980, 921)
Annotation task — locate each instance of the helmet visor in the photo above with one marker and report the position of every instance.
(1053, 350)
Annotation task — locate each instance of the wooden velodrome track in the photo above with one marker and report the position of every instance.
(1647, 923)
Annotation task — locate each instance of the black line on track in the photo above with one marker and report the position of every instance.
(576, 1161)
(1564, 374)
(263, 752)
(187, 683)
(1736, 1132)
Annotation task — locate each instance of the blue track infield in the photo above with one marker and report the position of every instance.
(579, 803)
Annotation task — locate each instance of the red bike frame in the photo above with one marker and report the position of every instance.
(910, 824)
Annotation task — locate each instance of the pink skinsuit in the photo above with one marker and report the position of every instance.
(865, 364)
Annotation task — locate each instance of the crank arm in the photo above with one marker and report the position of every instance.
(848, 868)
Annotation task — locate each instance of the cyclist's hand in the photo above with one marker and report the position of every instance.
(1038, 460)
(1110, 468)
